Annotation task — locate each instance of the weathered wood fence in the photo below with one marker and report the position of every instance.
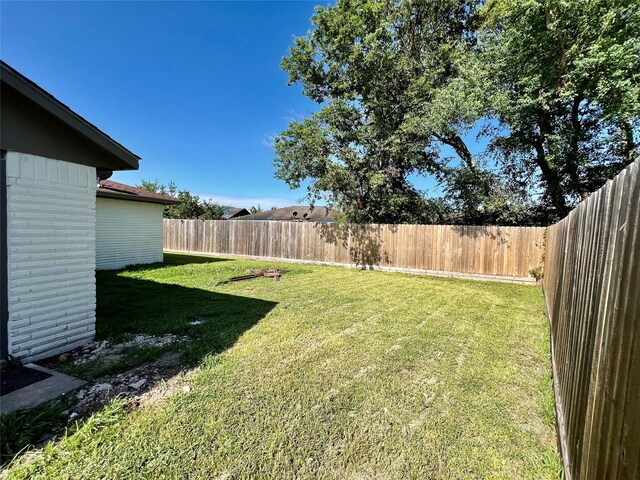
(592, 293)
(591, 285)
(498, 252)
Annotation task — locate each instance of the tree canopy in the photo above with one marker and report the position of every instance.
(554, 87)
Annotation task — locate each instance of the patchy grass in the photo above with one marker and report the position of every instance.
(329, 373)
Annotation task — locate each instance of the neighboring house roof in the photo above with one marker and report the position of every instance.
(303, 213)
(34, 121)
(230, 213)
(109, 189)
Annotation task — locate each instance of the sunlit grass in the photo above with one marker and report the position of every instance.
(329, 373)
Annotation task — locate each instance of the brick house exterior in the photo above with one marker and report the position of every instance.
(52, 160)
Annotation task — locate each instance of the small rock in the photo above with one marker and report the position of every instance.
(73, 415)
(186, 388)
(101, 387)
(138, 384)
(64, 357)
(81, 394)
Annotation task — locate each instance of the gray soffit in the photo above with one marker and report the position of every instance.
(34, 121)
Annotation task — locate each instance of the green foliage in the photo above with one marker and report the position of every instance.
(566, 90)
(536, 272)
(379, 71)
(23, 429)
(157, 187)
(553, 86)
(190, 206)
(256, 209)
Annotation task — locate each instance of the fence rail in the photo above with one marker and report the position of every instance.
(592, 293)
(508, 252)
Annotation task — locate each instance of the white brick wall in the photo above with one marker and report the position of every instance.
(127, 233)
(51, 255)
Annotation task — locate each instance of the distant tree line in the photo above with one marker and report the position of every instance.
(190, 206)
(258, 209)
(552, 88)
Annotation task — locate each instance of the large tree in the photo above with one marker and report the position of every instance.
(379, 71)
(566, 91)
(554, 85)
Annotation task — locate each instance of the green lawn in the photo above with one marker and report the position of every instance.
(329, 373)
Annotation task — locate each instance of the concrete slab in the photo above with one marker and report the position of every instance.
(40, 392)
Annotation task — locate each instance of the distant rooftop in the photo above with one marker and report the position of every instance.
(110, 189)
(301, 213)
(232, 213)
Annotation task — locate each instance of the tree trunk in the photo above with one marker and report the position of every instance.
(552, 179)
(628, 145)
(571, 165)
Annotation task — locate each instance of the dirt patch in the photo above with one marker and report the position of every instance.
(142, 384)
(139, 385)
(108, 353)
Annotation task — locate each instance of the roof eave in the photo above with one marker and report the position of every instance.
(104, 193)
(64, 114)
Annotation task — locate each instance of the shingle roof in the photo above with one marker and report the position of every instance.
(111, 189)
(303, 213)
(231, 212)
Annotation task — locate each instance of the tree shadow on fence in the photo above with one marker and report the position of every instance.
(495, 233)
(364, 243)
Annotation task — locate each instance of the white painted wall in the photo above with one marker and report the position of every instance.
(51, 255)
(127, 233)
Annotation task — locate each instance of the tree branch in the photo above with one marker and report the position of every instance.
(454, 141)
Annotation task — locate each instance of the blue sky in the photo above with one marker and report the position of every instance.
(195, 89)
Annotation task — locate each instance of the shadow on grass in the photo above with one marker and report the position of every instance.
(170, 260)
(134, 306)
(183, 259)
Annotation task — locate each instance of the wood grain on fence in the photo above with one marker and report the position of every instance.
(592, 293)
(489, 251)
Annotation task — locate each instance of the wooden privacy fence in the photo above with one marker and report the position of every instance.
(591, 285)
(592, 293)
(504, 252)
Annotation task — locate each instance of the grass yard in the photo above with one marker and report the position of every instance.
(329, 373)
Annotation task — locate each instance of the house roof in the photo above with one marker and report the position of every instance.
(299, 213)
(233, 212)
(120, 191)
(34, 121)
